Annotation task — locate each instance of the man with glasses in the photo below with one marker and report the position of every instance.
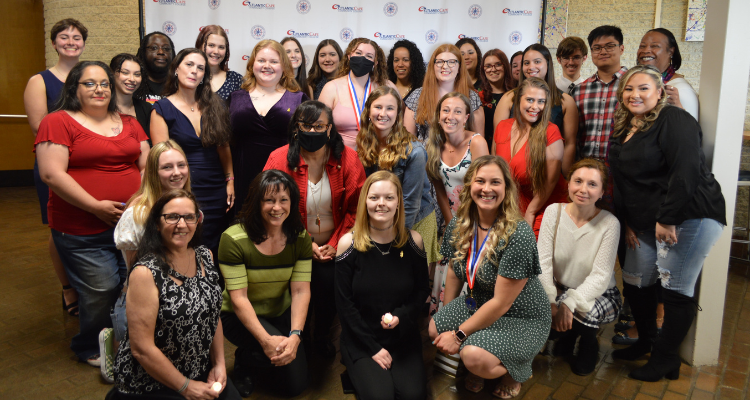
(596, 97)
(571, 54)
(157, 52)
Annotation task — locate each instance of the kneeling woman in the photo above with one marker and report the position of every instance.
(381, 285)
(174, 346)
(504, 320)
(266, 260)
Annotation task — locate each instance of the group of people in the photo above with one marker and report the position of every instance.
(188, 203)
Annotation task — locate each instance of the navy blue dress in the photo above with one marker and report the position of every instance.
(207, 180)
(53, 87)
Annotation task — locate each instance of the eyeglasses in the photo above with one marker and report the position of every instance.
(610, 47)
(576, 58)
(309, 127)
(165, 49)
(496, 67)
(91, 86)
(174, 219)
(451, 63)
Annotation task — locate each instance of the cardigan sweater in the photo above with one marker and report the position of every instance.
(346, 177)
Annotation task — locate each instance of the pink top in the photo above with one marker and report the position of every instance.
(344, 115)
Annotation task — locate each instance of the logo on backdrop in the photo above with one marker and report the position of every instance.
(476, 38)
(515, 38)
(475, 11)
(171, 2)
(426, 10)
(258, 32)
(245, 57)
(431, 36)
(346, 34)
(341, 8)
(301, 35)
(258, 6)
(383, 36)
(169, 28)
(303, 6)
(214, 4)
(390, 9)
(517, 13)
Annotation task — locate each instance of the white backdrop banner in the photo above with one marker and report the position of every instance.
(509, 25)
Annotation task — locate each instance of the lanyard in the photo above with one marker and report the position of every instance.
(474, 253)
(355, 100)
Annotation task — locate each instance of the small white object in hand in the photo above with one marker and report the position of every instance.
(387, 318)
(216, 387)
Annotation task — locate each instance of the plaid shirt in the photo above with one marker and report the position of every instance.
(597, 102)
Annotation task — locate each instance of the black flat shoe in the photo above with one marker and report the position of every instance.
(243, 382)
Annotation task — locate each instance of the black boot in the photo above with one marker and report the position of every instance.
(588, 349)
(566, 342)
(643, 306)
(243, 380)
(679, 312)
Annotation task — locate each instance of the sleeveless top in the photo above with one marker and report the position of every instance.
(556, 116)
(53, 86)
(186, 322)
(453, 177)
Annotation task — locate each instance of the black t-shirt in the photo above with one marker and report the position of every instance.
(660, 175)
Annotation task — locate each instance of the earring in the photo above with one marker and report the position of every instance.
(175, 73)
(201, 82)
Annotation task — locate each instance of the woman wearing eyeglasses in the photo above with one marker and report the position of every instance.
(329, 176)
(495, 81)
(89, 191)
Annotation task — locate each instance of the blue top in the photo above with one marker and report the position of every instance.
(232, 83)
(53, 86)
(414, 182)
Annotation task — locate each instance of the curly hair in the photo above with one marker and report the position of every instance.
(507, 80)
(361, 231)
(508, 213)
(287, 80)
(437, 137)
(379, 74)
(430, 89)
(417, 68)
(250, 217)
(623, 116)
(215, 127)
(316, 73)
(202, 41)
(399, 139)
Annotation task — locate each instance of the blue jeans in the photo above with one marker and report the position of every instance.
(119, 318)
(96, 270)
(677, 266)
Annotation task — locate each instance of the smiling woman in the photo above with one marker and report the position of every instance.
(213, 40)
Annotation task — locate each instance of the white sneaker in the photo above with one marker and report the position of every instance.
(94, 361)
(107, 359)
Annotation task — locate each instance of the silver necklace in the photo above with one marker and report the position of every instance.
(381, 251)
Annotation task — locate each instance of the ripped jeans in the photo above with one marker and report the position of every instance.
(678, 265)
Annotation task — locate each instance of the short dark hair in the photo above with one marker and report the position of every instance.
(251, 218)
(143, 90)
(68, 100)
(606, 30)
(66, 23)
(474, 44)
(672, 44)
(569, 45)
(309, 112)
(416, 70)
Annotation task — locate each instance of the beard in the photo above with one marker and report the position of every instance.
(157, 71)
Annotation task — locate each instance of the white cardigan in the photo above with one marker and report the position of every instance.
(584, 259)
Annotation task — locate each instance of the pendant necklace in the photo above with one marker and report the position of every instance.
(381, 251)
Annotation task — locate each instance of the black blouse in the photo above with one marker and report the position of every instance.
(370, 284)
(143, 115)
(661, 175)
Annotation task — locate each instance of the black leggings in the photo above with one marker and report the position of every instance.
(406, 380)
(289, 380)
(322, 298)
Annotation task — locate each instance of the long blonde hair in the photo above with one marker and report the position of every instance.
(430, 89)
(398, 144)
(508, 214)
(536, 144)
(623, 116)
(362, 241)
(151, 189)
(287, 81)
(437, 137)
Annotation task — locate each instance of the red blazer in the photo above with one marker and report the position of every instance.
(346, 177)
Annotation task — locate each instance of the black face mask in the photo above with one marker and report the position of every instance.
(312, 141)
(360, 66)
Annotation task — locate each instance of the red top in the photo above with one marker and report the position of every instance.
(519, 168)
(346, 177)
(105, 167)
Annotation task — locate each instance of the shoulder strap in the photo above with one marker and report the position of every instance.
(557, 223)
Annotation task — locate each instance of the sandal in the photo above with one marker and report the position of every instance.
(502, 391)
(473, 383)
(71, 308)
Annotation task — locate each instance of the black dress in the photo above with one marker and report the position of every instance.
(143, 115)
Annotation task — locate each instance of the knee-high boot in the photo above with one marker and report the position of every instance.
(643, 306)
(679, 312)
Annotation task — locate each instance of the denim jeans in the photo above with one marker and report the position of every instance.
(96, 270)
(678, 265)
(119, 318)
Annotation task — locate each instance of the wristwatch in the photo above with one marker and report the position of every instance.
(460, 335)
(295, 332)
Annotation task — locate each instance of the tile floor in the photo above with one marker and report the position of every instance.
(35, 362)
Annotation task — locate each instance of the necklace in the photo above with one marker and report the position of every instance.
(482, 228)
(381, 251)
(381, 229)
(187, 268)
(313, 189)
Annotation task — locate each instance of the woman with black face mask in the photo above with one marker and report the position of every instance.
(329, 176)
(360, 72)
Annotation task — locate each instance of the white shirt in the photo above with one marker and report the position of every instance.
(319, 204)
(688, 96)
(564, 83)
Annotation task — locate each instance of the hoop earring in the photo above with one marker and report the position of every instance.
(175, 73)
(201, 82)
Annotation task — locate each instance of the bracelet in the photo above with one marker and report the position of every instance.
(182, 389)
(231, 178)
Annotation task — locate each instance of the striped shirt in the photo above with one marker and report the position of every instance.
(597, 102)
(267, 278)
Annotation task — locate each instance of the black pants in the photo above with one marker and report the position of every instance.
(406, 380)
(229, 393)
(289, 380)
(322, 298)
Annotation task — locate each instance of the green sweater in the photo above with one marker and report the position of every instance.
(267, 278)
